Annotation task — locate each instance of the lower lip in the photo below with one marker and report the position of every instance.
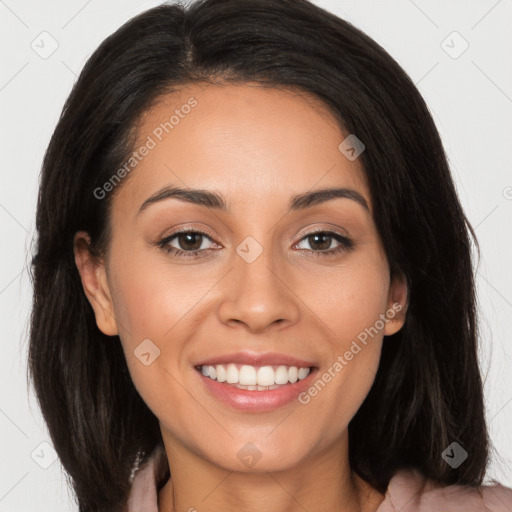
(256, 401)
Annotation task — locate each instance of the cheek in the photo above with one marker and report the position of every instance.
(349, 300)
(157, 312)
(153, 302)
(350, 305)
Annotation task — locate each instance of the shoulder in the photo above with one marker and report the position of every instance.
(410, 491)
(146, 480)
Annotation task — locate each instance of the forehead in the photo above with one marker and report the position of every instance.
(243, 139)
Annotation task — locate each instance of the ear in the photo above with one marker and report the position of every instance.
(397, 304)
(94, 281)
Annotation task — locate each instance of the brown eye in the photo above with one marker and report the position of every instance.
(321, 243)
(189, 241)
(188, 244)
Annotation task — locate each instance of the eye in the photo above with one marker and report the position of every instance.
(193, 243)
(321, 243)
(186, 244)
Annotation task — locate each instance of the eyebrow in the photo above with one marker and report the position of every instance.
(215, 200)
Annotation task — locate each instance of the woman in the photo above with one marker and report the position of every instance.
(253, 284)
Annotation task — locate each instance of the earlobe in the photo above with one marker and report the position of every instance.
(397, 305)
(94, 281)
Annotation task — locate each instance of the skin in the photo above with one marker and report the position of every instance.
(257, 147)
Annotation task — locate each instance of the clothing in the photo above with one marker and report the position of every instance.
(408, 491)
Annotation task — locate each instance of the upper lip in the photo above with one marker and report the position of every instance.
(256, 359)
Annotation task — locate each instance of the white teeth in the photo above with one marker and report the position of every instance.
(265, 376)
(255, 378)
(302, 374)
(256, 388)
(221, 373)
(281, 376)
(246, 376)
(232, 374)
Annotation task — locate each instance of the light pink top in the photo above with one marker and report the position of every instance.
(408, 491)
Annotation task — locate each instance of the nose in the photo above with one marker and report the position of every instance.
(259, 296)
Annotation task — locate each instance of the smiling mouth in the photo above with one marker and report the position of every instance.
(255, 378)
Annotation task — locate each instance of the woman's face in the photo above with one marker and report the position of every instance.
(278, 271)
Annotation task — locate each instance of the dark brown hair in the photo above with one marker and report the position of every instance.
(428, 390)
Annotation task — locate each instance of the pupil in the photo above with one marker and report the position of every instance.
(323, 245)
(190, 238)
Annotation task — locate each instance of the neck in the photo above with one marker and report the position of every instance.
(323, 481)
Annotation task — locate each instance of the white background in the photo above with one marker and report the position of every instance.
(470, 98)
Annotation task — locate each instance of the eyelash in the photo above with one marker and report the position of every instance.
(346, 243)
